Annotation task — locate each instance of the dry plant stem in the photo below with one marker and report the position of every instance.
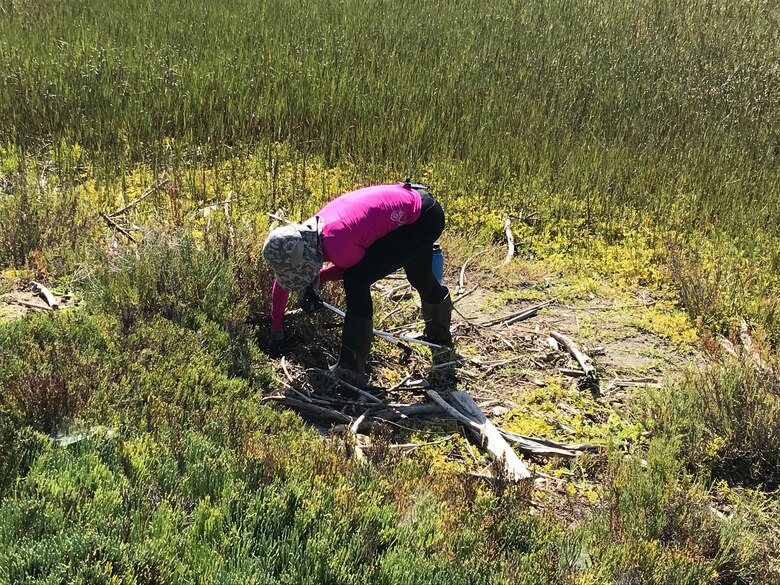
(401, 383)
(51, 300)
(488, 435)
(517, 314)
(462, 279)
(465, 294)
(111, 223)
(510, 240)
(522, 317)
(284, 368)
(395, 289)
(546, 447)
(359, 391)
(34, 306)
(412, 446)
(158, 185)
(572, 348)
(444, 365)
(313, 409)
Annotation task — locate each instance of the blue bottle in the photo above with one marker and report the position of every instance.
(438, 263)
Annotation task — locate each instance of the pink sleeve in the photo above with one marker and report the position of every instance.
(279, 298)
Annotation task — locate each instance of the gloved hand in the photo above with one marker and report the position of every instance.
(310, 300)
(276, 344)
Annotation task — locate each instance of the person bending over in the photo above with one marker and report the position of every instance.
(363, 235)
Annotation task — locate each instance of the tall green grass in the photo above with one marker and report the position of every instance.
(592, 108)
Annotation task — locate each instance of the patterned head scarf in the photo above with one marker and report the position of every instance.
(295, 253)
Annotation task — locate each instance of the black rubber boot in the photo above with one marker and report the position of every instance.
(355, 345)
(437, 318)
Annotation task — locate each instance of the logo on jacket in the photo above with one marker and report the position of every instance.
(398, 216)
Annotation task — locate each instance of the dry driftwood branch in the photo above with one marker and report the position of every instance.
(572, 373)
(511, 316)
(412, 446)
(359, 391)
(572, 348)
(34, 305)
(546, 447)
(488, 435)
(510, 240)
(51, 300)
(158, 185)
(312, 409)
(117, 227)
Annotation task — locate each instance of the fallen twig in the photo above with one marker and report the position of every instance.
(546, 447)
(387, 336)
(158, 185)
(511, 316)
(116, 226)
(462, 279)
(412, 446)
(312, 409)
(572, 348)
(34, 305)
(465, 294)
(367, 395)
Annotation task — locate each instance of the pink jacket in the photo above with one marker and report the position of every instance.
(351, 223)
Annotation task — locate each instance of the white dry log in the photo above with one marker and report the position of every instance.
(488, 435)
(51, 300)
(575, 352)
(510, 240)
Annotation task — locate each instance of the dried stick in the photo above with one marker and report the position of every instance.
(34, 306)
(572, 348)
(462, 279)
(368, 396)
(510, 240)
(385, 335)
(117, 227)
(159, 185)
(465, 294)
(312, 409)
(507, 318)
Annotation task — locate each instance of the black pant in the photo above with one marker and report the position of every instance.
(411, 247)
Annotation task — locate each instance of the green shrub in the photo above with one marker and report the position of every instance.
(727, 418)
